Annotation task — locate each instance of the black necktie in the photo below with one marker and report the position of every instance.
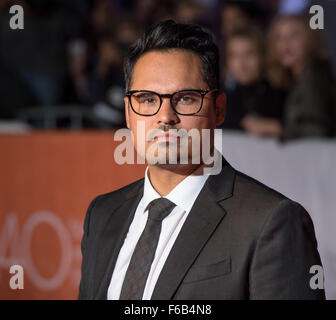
(143, 255)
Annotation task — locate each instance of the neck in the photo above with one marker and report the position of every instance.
(165, 178)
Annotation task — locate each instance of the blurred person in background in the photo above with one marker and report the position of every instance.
(11, 82)
(105, 88)
(297, 62)
(189, 11)
(253, 104)
(164, 10)
(106, 69)
(82, 48)
(234, 16)
(237, 15)
(37, 53)
(144, 11)
(96, 58)
(126, 31)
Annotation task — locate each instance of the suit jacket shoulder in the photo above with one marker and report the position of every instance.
(105, 204)
(255, 204)
(116, 197)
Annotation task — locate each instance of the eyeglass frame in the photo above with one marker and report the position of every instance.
(168, 95)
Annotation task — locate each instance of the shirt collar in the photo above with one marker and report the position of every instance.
(183, 195)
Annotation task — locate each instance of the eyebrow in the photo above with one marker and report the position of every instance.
(183, 89)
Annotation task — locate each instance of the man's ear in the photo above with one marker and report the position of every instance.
(126, 102)
(220, 108)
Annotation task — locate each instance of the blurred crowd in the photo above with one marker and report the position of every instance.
(276, 71)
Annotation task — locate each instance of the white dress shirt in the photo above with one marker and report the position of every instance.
(183, 196)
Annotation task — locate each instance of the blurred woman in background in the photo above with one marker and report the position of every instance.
(253, 104)
(297, 62)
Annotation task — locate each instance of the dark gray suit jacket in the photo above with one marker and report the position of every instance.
(241, 240)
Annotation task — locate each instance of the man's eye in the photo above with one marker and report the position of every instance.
(146, 99)
(149, 100)
(186, 99)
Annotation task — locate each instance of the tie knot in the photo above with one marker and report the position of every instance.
(159, 208)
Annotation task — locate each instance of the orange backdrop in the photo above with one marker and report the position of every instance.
(47, 181)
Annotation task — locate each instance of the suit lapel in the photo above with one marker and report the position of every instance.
(112, 238)
(201, 222)
(193, 236)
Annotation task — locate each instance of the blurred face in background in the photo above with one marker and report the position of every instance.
(243, 60)
(109, 51)
(100, 15)
(291, 43)
(232, 19)
(188, 12)
(128, 32)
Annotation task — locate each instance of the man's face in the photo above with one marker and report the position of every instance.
(166, 72)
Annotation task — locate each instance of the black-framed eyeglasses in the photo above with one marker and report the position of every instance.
(184, 102)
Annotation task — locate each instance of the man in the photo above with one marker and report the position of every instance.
(179, 233)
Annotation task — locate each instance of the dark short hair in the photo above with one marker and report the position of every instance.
(168, 35)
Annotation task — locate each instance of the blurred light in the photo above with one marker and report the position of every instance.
(293, 6)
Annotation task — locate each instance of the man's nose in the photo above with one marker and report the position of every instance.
(166, 113)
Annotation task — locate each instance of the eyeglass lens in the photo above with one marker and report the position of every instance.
(184, 102)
